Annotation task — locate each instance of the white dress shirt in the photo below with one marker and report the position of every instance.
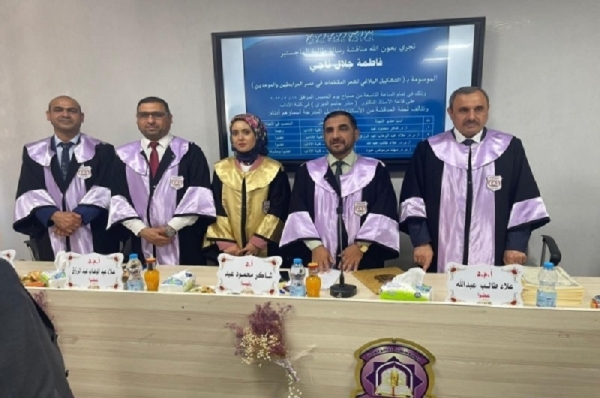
(59, 149)
(176, 223)
(461, 138)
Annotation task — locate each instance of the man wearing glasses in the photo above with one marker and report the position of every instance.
(161, 190)
(63, 195)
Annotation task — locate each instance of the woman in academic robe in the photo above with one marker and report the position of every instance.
(251, 193)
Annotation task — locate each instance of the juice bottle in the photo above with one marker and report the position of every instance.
(313, 281)
(151, 276)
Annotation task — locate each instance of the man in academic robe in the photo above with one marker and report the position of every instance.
(161, 190)
(31, 363)
(63, 195)
(357, 187)
(469, 195)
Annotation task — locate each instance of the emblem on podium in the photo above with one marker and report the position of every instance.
(393, 368)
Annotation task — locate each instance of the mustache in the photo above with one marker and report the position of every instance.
(337, 141)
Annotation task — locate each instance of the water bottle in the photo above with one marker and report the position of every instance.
(297, 286)
(134, 268)
(547, 279)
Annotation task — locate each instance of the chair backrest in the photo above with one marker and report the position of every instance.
(33, 249)
(549, 243)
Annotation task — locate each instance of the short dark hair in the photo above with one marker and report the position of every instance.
(341, 113)
(466, 91)
(153, 100)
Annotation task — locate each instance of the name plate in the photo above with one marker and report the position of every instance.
(92, 271)
(485, 284)
(248, 275)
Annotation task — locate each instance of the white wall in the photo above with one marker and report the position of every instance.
(541, 71)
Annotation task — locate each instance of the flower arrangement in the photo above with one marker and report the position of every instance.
(262, 340)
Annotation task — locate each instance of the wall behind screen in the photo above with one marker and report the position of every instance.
(540, 69)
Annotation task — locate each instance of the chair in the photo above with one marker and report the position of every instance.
(33, 250)
(549, 243)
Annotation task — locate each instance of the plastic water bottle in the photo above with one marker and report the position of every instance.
(297, 286)
(134, 268)
(547, 279)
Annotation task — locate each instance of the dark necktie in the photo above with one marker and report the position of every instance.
(338, 173)
(469, 209)
(153, 158)
(342, 234)
(65, 158)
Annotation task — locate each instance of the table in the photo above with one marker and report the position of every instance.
(148, 344)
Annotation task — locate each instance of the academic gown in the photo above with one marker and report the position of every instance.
(31, 363)
(251, 206)
(41, 186)
(469, 211)
(181, 187)
(369, 211)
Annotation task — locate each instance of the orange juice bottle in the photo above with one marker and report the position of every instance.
(151, 276)
(313, 281)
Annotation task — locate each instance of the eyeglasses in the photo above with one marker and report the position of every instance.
(155, 115)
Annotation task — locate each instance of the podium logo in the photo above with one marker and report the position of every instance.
(393, 368)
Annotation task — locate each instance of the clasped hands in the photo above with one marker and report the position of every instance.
(65, 222)
(156, 235)
(250, 250)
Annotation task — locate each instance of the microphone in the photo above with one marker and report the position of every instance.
(341, 289)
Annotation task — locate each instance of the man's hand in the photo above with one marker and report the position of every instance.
(60, 232)
(65, 221)
(514, 257)
(423, 256)
(351, 257)
(250, 250)
(321, 256)
(155, 236)
(233, 250)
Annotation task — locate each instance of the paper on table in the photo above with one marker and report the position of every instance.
(329, 278)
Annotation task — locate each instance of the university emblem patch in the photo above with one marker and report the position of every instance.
(360, 208)
(494, 183)
(393, 368)
(176, 182)
(84, 172)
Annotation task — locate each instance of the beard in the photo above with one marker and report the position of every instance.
(337, 148)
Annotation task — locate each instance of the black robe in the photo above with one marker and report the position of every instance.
(41, 187)
(369, 208)
(469, 211)
(180, 188)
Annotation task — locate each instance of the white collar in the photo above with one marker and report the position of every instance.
(74, 140)
(461, 138)
(163, 142)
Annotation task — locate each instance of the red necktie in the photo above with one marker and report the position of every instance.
(153, 158)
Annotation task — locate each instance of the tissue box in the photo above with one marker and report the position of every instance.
(55, 279)
(392, 291)
(180, 282)
(407, 287)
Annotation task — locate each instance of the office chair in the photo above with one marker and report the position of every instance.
(33, 249)
(550, 244)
